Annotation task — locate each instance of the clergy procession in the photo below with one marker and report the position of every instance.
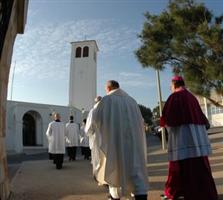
(70, 130)
(113, 137)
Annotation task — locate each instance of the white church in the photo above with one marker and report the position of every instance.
(26, 123)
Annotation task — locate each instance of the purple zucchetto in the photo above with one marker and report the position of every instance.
(177, 78)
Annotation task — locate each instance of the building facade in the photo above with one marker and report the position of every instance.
(213, 113)
(26, 124)
(83, 74)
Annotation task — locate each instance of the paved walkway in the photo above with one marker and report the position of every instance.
(39, 180)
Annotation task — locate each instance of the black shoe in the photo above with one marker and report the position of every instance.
(58, 166)
(141, 197)
(111, 198)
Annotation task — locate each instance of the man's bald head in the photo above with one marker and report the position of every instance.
(111, 85)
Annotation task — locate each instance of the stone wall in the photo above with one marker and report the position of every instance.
(19, 10)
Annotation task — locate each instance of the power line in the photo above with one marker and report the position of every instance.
(13, 74)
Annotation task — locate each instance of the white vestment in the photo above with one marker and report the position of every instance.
(72, 134)
(97, 156)
(123, 142)
(56, 137)
(84, 140)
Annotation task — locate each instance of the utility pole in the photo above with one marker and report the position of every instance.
(160, 107)
(205, 107)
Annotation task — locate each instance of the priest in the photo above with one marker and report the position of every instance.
(72, 138)
(123, 142)
(97, 156)
(56, 139)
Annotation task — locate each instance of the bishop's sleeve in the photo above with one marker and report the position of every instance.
(162, 122)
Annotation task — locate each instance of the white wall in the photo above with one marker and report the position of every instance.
(15, 113)
(217, 119)
(10, 127)
(83, 72)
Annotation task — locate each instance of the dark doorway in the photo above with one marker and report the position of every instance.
(29, 130)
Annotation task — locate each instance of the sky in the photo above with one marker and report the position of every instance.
(41, 56)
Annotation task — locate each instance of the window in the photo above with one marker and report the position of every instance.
(78, 52)
(85, 51)
(213, 110)
(219, 110)
(216, 110)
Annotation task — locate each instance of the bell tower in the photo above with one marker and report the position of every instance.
(83, 74)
